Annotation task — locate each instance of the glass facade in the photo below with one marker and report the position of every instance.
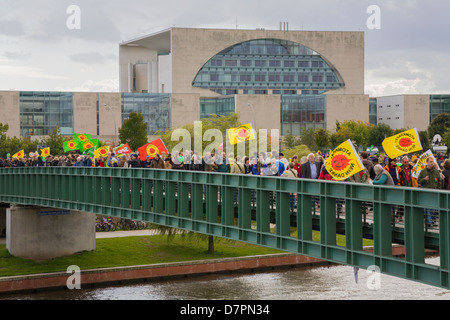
(300, 112)
(373, 111)
(154, 107)
(258, 66)
(221, 106)
(42, 112)
(439, 104)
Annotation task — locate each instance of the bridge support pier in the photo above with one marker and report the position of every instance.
(42, 233)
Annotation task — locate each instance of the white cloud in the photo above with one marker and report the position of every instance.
(105, 85)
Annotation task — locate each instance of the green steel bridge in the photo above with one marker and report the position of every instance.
(268, 211)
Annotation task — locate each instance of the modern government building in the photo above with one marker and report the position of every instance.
(275, 79)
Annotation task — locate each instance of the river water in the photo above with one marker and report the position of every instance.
(312, 283)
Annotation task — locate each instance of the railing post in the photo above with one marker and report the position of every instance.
(304, 217)
(327, 220)
(227, 207)
(382, 230)
(262, 210)
(183, 199)
(353, 225)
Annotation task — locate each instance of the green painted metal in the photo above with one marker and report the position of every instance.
(243, 207)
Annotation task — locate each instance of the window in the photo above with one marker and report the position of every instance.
(267, 64)
(245, 77)
(303, 77)
(289, 77)
(274, 63)
(274, 77)
(289, 64)
(260, 77)
(260, 63)
(216, 63)
(303, 64)
(317, 77)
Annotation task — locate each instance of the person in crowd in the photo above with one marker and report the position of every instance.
(147, 162)
(224, 165)
(446, 173)
(311, 169)
(368, 164)
(178, 161)
(134, 161)
(382, 177)
(297, 166)
(430, 178)
(168, 163)
(290, 172)
(393, 169)
(238, 167)
(209, 162)
(405, 173)
(157, 162)
(79, 162)
(247, 165)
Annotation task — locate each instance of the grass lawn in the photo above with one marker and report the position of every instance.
(140, 250)
(129, 251)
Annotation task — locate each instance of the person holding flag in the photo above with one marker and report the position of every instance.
(343, 162)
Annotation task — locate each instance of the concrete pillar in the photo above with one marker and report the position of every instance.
(42, 233)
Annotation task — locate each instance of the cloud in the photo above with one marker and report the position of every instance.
(17, 55)
(92, 57)
(105, 85)
(27, 72)
(11, 28)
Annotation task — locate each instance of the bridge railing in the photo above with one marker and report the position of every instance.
(269, 211)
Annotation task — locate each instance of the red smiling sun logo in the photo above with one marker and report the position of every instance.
(340, 162)
(242, 133)
(405, 142)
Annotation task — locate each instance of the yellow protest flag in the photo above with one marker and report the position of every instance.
(19, 154)
(240, 134)
(45, 152)
(403, 143)
(101, 152)
(343, 161)
(422, 161)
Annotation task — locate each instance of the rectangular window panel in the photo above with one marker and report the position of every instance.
(303, 64)
(230, 63)
(260, 63)
(274, 63)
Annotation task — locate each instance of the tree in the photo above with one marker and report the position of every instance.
(356, 131)
(322, 138)
(134, 131)
(439, 125)
(307, 138)
(290, 141)
(425, 141)
(55, 141)
(378, 133)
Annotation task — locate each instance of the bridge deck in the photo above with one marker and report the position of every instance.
(244, 207)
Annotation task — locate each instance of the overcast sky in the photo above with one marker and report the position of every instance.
(409, 54)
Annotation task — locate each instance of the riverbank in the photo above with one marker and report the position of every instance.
(156, 272)
(96, 277)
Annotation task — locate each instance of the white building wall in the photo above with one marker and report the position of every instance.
(391, 111)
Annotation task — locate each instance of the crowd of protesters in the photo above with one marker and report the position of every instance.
(378, 170)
